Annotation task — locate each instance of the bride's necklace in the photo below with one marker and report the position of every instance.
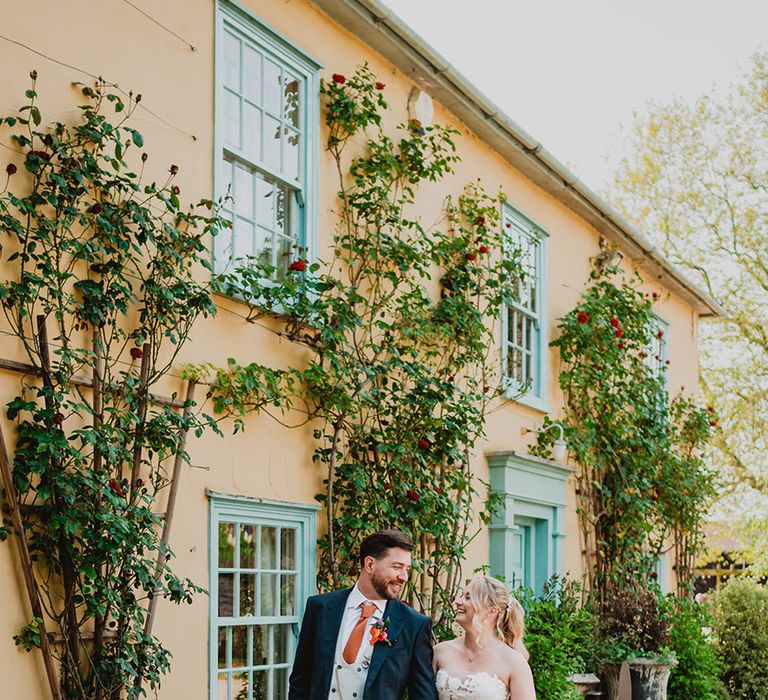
(472, 655)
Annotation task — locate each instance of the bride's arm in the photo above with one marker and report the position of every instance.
(520, 678)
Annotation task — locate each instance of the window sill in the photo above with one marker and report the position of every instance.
(529, 400)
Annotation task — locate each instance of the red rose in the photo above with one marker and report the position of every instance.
(711, 409)
(116, 487)
(508, 225)
(339, 78)
(582, 317)
(713, 423)
(334, 321)
(174, 169)
(614, 322)
(387, 487)
(619, 333)
(655, 296)
(412, 495)
(486, 389)
(58, 419)
(96, 208)
(667, 362)
(136, 353)
(660, 335)
(643, 355)
(480, 221)
(622, 345)
(654, 575)
(470, 256)
(423, 444)
(176, 189)
(483, 249)
(380, 86)
(438, 489)
(11, 169)
(298, 266)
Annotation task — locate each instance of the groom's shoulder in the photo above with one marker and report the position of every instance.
(408, 613)
(324, 599)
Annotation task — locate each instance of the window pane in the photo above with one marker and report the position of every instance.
(251, 131)
(288, 549)
(231, 55)
(247, 594)
(244, 241)
(239, 647)
(272, 88)
(291, 106)
(247, 546)
(226, 588)
(226, 545)
(240, 686)
(284, 249)
(222, 687)
(260, 685)
(265, 202)
(251, 75)
(280, 653)
(281, 682)
(264, 245)
(288, 595)
(271, 153)
(291, 154)
(231, 119)
(260, 645)
(268, 547)
(282, 210)
(243, 192)
(268, 594)
(222, 647)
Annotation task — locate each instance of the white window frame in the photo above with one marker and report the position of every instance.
(658, 347)
(234, 18)
(248, 511)
(536, 395)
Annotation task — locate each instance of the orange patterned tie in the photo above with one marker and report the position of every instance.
(356, 636)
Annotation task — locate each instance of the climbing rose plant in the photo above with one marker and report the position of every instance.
(108, 267)
(400, 328)
(642, 485)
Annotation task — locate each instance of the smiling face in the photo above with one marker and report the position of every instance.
(465, 610)
(387, 575)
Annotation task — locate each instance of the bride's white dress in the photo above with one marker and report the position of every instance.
(476, 686)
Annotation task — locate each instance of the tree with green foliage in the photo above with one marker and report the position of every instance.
(693, 177)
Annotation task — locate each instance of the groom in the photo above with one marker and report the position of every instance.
(363, 643)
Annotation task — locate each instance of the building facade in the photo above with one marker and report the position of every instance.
(241, 112)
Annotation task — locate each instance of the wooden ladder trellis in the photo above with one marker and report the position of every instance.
(94, 383)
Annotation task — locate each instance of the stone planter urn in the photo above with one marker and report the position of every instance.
(648, 679)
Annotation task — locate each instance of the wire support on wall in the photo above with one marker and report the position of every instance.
(160, 24)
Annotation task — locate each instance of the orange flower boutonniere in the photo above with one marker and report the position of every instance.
(379, 632)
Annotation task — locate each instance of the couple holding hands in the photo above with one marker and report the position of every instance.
(365, 644)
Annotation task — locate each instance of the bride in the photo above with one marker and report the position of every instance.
(489, 662)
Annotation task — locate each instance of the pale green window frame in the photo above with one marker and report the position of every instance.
(656, 350)
(527, 531)
(262, 570)
(274, 190)
(524, 340)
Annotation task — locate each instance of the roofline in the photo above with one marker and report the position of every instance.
(389, 36)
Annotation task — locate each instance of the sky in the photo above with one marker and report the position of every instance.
(572, 72)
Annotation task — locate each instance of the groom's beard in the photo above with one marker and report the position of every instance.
(388, 589)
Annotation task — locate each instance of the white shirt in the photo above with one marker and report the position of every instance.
(352, 615)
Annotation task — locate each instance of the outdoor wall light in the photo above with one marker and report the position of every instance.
(560, 445)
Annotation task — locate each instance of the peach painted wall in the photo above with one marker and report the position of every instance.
(113, 40)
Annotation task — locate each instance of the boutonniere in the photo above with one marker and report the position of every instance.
(380, 632)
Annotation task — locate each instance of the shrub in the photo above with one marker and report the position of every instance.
(697, 672)
(558, 636)
(740, 617)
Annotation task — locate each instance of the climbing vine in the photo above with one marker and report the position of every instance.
(400, 329)
(642, 485)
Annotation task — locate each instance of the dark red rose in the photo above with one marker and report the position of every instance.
(380, 86)
(438, 489)
(96, 208)
(508, 225)
(668, 362)
(655, 296)
(711, 409)
(655, 496)
(660, 335)
(471, 256)
(11, 169)
(387, 486)
(338, 78)
(654, 575)
(58, 419)
(618, 333)
(713, 423)
(176, 189)
(480, 221)
(486, 389)
(483, 249)
(44, 155)
(643, 355)
(136, 353)
(412, 495)
(334, 321)
(48, 140)
(174, 169)
(424, 444)
(116, 487)
(622, 345)
(582, 317)
(614, 322)
(298, 266)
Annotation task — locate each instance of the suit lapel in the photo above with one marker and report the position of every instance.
(393, 613)
(330, 624)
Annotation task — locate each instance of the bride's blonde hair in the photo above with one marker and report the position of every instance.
(486, 592)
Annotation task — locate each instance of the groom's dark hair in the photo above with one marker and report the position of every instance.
(377, 544)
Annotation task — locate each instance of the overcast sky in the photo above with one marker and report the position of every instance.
(571, 72)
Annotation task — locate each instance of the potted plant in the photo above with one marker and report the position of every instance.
(634, 628)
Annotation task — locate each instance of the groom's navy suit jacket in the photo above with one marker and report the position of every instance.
(405, 664)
